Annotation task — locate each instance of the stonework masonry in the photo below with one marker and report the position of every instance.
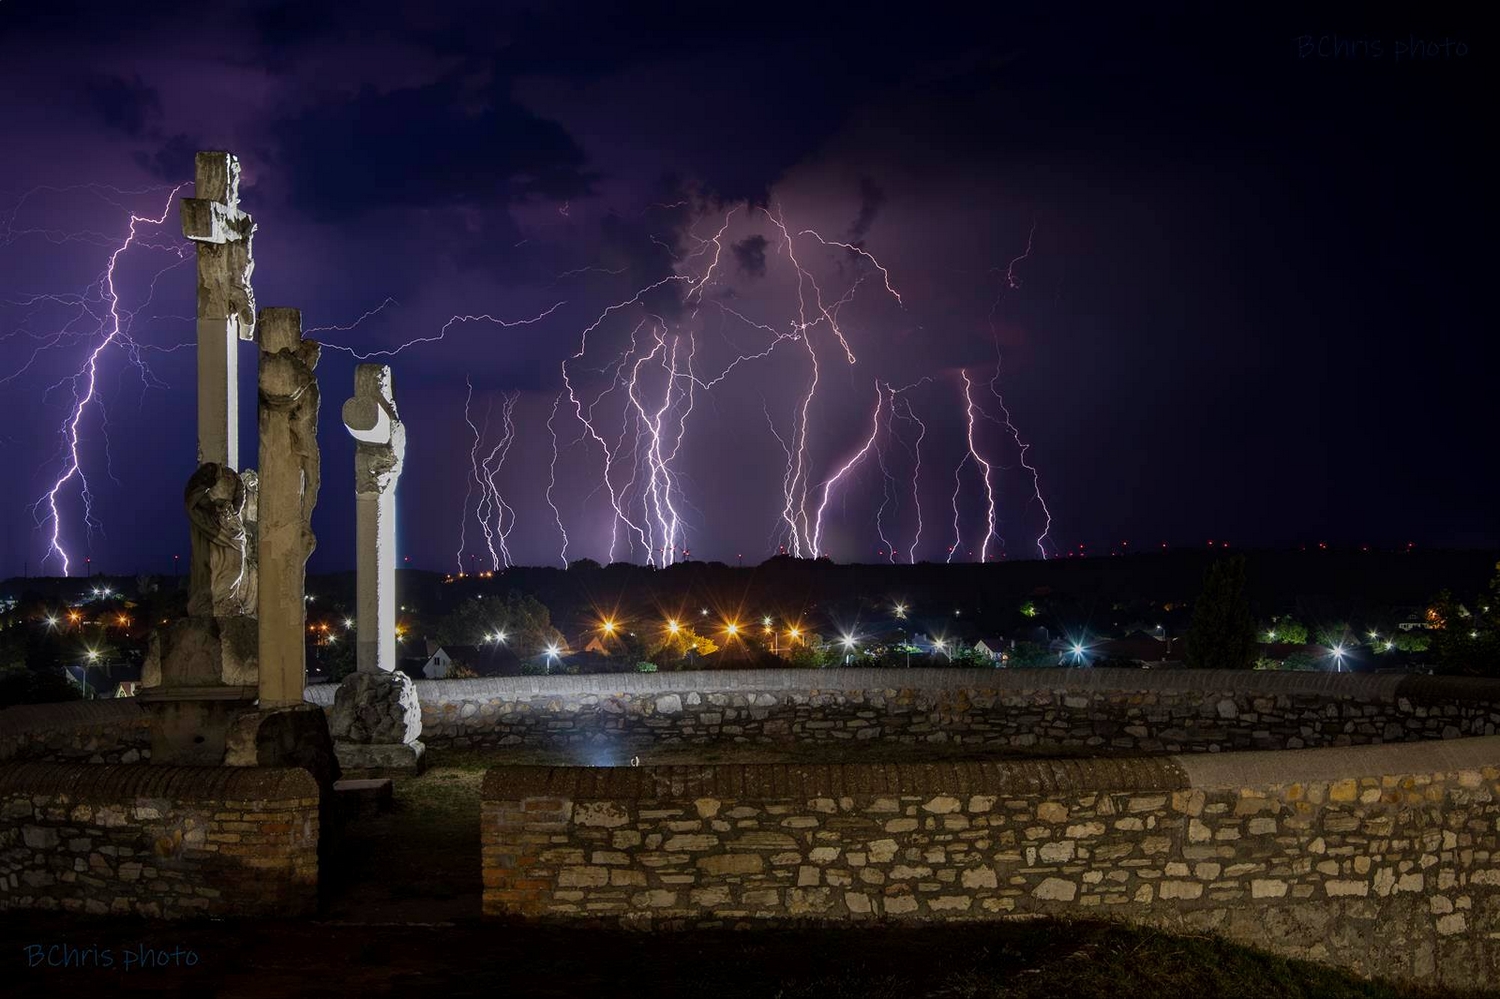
(1032, 711)
(113, 730)
(158, 841)
(1382, 859)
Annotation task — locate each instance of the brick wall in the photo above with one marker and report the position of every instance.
(158, 841)
(1383, 859)
(1097, 711)
(110, 730)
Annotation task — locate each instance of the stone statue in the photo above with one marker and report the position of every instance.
(288, 386)
(287, 493)
(250, 517)
(218, 582)
(372, 420)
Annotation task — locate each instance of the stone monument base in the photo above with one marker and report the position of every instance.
(295, 736)
(367, 759)
(376, 721)
(190, 725)
(202, 652)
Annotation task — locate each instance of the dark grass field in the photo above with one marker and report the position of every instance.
(401, 919)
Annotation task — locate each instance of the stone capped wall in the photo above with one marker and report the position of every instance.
(158, 841)
(109, 730)
(1093, 711)
(1382, 859)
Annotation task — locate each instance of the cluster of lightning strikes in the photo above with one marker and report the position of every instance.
(104, 325)
(634, 423)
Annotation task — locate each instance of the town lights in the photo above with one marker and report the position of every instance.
(552, 651)
(609, 627)
(348, 623)
(847, 641)
(51, 621)
(673, 627)
(901, 611)
(732, 628)
(766, 621)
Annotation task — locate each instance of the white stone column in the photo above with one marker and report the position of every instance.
(379, 452)
(226, 302)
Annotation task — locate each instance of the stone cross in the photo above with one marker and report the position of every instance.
(288, 491)
(226, 302)
(379, 452)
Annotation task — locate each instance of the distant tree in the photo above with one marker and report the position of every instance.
(969, 657)
(525, 620)
(338, 658)
(582, 565)
(1030, 654)
(675, 648)
(36, 686)
(804, 656)
(1222, 632)
(1466, 641)
(1285, 629)
(1412, 641)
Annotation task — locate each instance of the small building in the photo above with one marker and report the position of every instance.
(492, 659)
(992, 648)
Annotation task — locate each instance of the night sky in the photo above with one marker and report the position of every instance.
(1250, 309)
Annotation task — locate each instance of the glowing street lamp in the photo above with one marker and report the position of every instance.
(673, 626)
(609, 627)
(848, 643)
(732, 628)
(348, 623)
(901, 611)
(1338, 658)
(51, 622)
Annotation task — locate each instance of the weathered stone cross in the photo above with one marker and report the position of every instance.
(289, 478)
(379, 452)
(226, 302)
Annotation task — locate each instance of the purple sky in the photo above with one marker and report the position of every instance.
(1250, 309)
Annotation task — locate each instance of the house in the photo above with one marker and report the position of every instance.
(1136, 648)
(108, 679)
(492, 659)
(992, 647)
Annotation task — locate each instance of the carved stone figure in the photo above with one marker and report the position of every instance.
(217, 580)
(289, 478)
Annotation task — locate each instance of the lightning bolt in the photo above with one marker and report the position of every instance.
(116, 331)
(552, 481)
(989, 489)
(1013, 282)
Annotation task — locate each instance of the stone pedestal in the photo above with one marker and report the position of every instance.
(199, 676)
(376, 722)
(295, 736)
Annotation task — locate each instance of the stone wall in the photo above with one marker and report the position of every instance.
(1093, 711)
(1382, 859)
(110, 730)
(158, 841)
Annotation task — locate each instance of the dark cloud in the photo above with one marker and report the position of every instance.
(871, 197)
(172, 161)
(124, 105)
(750, 254)
(426, 147)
